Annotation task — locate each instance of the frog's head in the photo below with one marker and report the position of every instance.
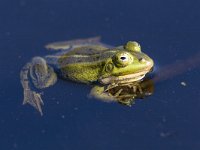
(129, 64)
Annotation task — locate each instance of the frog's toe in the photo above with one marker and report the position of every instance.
(34, 99)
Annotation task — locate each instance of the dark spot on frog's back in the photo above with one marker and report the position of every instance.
(85, 56)
(77, 59)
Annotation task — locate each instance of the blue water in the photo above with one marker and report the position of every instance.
(167, 30)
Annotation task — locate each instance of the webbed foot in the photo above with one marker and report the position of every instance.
(34, 99)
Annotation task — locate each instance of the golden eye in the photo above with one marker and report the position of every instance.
(123, 59)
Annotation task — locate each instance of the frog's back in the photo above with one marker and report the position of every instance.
(85, 55)
(76, 51)
(80, 59)
(87, 50)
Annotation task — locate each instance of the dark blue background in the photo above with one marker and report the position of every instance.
(167, 30)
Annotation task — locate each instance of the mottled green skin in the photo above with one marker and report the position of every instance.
(90, 63)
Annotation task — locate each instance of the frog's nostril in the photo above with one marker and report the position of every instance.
(142, 60)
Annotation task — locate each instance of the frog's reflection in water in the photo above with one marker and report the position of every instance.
(125, 94)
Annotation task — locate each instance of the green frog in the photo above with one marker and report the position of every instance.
(109, 69)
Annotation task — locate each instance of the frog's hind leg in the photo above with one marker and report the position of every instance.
(68, 45)
(30, 96)
(42, 74)
(36, 75)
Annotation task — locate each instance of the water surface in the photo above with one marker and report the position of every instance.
(167, 30)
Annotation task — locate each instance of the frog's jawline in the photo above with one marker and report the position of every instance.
(124, 79)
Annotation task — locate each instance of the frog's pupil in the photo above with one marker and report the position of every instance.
(123, 58)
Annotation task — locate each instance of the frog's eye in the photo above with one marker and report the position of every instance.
(133, 46)
(123, 59)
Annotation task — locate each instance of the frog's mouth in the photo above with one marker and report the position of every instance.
(125, 78)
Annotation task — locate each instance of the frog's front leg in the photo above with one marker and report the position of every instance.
(101, 93)
(111, 86)
(36, 75)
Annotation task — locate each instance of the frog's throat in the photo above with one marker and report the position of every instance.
(125, 78)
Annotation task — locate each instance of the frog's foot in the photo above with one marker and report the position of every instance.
(125, 93)
(137, 89)
(36, 75)
(111, 86)
(117, 94)
(34, 99)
